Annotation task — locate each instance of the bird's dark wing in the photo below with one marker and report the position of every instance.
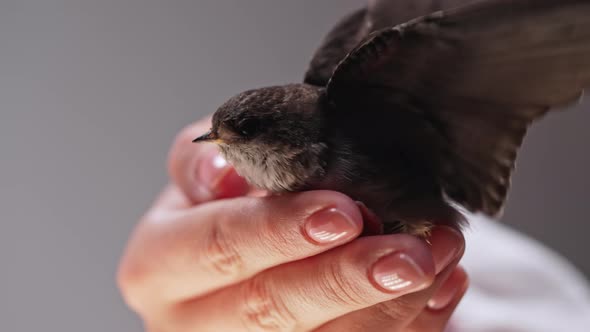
(352, 29)
(476, 76)
(341, 40)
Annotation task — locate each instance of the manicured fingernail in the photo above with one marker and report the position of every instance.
(448, 291)
(219, 177)
(447, 245)
(331, 225)
(212, 168)
(398, 272)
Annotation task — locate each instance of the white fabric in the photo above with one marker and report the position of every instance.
(517, 284)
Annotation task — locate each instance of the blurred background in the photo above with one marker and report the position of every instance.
(92, 94)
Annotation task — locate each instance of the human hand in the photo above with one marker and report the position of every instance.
(286, 263)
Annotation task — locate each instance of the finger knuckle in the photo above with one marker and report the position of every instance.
(262, 309)
(132, 275)
(398, 310)
(222, 254)
(282, 242)
(129, 276)
(340, 288)
(125, 274)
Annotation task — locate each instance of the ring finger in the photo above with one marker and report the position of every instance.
(305, 294)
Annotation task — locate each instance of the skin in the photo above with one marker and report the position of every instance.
(212, 254)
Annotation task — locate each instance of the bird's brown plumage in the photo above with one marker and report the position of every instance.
(357, 26)
(477, 76)
(405, 111)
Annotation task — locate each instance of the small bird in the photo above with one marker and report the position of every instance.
(414, 107)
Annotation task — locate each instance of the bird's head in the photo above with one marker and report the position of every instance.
(265, 132)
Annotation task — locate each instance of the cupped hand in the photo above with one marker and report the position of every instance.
(212, 256)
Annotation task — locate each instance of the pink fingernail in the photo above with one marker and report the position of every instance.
(331, 225)
(448, 291)
(447, 244)
(398, 272)
(212, 169)
(220, 178)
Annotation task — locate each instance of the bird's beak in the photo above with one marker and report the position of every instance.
(207, 137)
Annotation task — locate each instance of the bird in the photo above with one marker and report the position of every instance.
(416, 108)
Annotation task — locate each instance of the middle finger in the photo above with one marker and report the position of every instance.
(303, 295)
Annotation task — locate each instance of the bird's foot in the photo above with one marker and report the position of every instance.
(373, 225)
(421, 229)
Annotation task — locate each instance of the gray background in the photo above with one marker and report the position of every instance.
(91, 95)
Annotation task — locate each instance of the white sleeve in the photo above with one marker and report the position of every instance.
(517, 284)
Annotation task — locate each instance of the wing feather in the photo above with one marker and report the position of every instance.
(480, 74)
(355, 27)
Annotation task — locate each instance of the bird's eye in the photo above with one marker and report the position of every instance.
(248, 127)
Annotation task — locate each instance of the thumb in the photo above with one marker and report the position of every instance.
(199, 170)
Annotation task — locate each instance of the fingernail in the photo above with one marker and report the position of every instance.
(447, 292)
(219, 178)
(331, 225)
(212, 169)
(398, 272)
(447, 243)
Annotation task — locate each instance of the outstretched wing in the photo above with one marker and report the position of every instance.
(476, 77)
(354, 28)
(343, 38)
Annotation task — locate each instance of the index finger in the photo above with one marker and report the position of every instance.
(192, 252)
